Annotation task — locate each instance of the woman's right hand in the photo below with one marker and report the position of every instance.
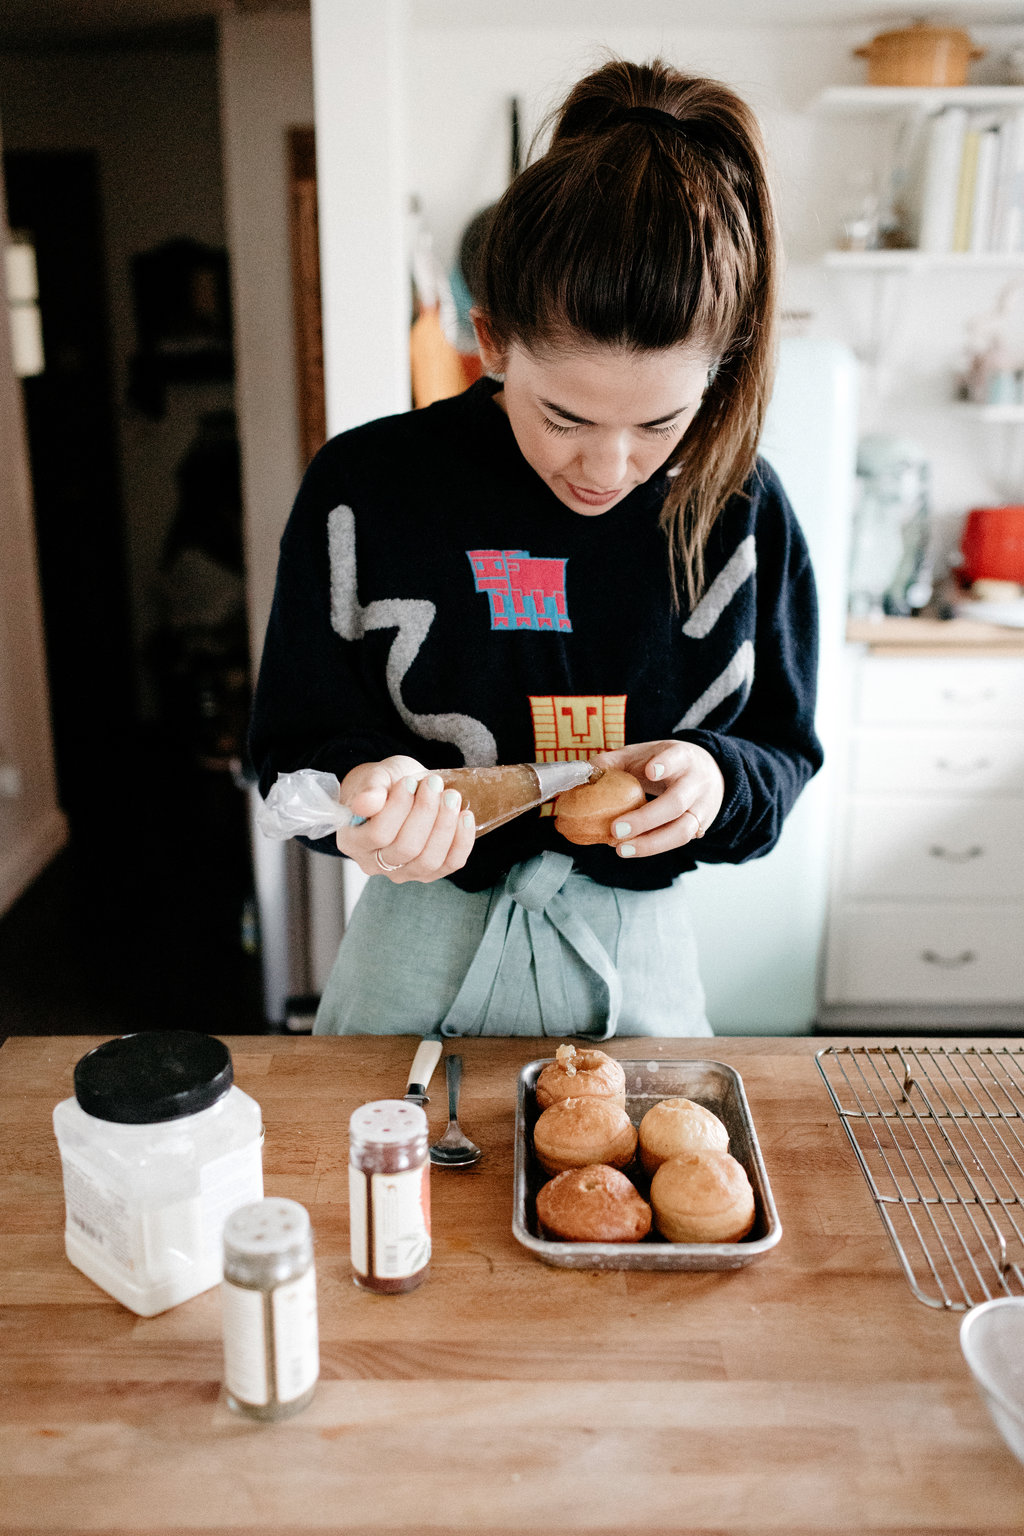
(415, 829)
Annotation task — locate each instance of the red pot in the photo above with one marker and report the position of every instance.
(992, 544)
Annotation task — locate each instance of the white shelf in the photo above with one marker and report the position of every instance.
(892, 261)
(846, 100)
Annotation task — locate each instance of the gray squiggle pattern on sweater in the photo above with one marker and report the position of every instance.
(411, 617)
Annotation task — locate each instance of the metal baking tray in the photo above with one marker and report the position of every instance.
(710, 1083)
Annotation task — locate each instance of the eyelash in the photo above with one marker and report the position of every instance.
(560, 431)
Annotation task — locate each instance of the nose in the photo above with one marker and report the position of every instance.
(604, 461)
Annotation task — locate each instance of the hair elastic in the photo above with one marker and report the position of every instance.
(653, 116)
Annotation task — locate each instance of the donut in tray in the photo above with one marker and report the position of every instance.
(676, 1127)
(575, 1132)
(704, 1197)
(594, 1204)
(576, 1074)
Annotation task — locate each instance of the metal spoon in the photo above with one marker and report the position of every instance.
(454, 1150)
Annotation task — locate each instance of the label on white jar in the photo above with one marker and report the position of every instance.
(100, 1214)
(153, 1240)
(270, 1329)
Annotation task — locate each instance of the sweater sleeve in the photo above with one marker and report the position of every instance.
(314, 706)
(771, 750)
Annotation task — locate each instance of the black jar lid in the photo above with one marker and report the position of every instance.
(163, 1075)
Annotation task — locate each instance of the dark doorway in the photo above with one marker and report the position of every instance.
(144, 922)
(54, 197)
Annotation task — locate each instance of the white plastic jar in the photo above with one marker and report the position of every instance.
(158, 1148)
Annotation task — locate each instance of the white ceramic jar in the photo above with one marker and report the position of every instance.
(158, 1148)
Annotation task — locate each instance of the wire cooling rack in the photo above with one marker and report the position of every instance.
(939, 1134)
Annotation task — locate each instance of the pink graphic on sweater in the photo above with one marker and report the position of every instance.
(524, 592)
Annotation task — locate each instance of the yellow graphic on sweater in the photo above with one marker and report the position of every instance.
(574, 726)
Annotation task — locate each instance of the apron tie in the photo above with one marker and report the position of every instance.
(531, 927)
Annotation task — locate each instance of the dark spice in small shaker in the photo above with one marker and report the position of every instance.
(389, 1196)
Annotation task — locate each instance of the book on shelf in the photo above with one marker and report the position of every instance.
(971, 183)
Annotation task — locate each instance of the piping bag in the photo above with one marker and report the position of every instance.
(307, 803)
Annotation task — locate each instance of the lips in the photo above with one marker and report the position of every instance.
(592, 498)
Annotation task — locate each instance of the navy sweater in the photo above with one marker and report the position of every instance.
(435, 598)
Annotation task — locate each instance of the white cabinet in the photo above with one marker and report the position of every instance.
(926, 921)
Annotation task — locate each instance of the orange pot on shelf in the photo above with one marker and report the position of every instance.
(992, 544)
(920, 55)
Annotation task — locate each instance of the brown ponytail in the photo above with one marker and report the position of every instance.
(642, 234)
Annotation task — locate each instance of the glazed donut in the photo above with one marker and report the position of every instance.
(702, 1198)
(674, 1127)
(595, 1204)
(586, 814)
(575, 1132)
(576, 1074)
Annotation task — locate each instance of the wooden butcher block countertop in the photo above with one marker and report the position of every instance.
(807, 1392)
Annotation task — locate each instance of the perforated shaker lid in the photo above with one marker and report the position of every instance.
(163, 1075)
(271, 1226)
(388, 1122)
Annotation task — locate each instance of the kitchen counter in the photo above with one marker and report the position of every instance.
(931, 636)
(807, 1392)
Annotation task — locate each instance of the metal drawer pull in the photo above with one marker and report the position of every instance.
(980, 696)
(954, 856)
(949, 962)
(960, 769)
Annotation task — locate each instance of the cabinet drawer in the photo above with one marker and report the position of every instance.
(961, 762)
(935, 847)
(960, 690)
(881, 952)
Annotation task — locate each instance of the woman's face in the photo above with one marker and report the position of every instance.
(595, 421)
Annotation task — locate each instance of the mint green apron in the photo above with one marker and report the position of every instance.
(548, 952)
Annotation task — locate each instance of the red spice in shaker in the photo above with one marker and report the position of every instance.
(389, 1195)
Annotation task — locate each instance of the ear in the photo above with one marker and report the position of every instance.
(492, 353)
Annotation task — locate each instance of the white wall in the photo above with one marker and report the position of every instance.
(266, 87)
(32, 828)
(151, 118)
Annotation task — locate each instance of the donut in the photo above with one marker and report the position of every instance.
(575, 1132)
(576, 1074)
(704, 1197)
(586, 814)
(674, 1127)
(595, 1204)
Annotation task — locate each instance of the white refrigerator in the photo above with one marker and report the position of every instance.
(761, 926)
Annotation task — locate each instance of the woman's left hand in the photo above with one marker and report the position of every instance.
(688, 788)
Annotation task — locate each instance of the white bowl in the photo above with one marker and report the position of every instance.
(992, 1340)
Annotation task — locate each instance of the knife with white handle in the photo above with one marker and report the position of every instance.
(428, 1054)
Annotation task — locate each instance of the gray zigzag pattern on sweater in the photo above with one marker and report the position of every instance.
(738, 674)
(741, 564)
(411, 617)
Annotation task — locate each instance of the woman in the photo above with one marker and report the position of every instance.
(581, 556)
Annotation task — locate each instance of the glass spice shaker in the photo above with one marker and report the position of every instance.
(268, 1304)
(389, 1196)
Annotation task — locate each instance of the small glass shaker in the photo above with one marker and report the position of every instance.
(268, 1303)
(389, 1195)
